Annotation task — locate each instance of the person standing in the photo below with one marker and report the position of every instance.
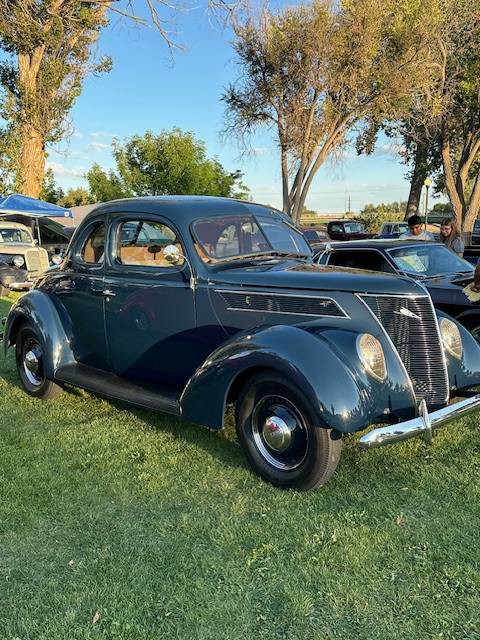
(450, 236)
(416, 230)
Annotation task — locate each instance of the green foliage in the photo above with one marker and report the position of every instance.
(161, 527)
(51, 192)
(105, 186)
(75, 197)
(442, 208)
(373, 216)
(171, 162)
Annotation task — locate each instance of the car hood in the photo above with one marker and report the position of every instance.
(299, 275)
(452, 281)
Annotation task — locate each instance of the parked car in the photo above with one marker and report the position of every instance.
(21, 260)
(476, 233)
(390, 230)
(54, 236)
(347, 230)
(233, 310)
(315, 236)
(441, 272)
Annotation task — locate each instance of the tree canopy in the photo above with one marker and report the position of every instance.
(171, 162)
(315, 71)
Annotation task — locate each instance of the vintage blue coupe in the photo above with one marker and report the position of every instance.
(185, 304)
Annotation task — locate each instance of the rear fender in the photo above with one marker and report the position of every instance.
(52, 323)
(323, 363)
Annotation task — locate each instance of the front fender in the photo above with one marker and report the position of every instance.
(323, 363)
(38, 309)
(464, 373)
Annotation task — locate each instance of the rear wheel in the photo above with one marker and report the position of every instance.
(29, 352)
(276, 427)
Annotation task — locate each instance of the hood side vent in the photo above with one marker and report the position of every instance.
(275, 303)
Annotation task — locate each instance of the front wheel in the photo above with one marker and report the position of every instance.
(277, 430)
(29, 353)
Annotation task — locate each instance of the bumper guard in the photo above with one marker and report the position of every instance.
(423, 426)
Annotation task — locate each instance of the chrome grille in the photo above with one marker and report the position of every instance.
(412, 327)
(36, 261)
(301, 305)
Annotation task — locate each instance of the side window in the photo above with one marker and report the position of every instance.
(370, 260)
(142, 243)
(336, 228)
(388, 229)
(93, 249)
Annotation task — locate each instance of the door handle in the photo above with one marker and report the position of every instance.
(108, 293)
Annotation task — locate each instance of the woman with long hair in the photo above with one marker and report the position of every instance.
(451, 237)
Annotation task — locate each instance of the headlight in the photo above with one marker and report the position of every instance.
(18, 261)
(451, 338)
(371, 354)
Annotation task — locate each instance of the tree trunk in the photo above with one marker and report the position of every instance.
(31, 162)
(416, 183)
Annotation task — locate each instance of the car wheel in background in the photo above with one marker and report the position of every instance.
(276, 427)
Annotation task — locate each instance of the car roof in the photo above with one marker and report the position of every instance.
(186, 208)
(5, 224)
(379, 243)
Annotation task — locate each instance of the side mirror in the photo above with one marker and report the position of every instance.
(172, 254)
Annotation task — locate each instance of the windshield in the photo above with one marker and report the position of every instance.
(353, 227)
(15, 236)
(429, 261)
(238, 236)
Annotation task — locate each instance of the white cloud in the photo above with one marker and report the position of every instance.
(98, 146)
(260, 151)
(103, 134)
(77, 134)
(394, 149)
(61, 170)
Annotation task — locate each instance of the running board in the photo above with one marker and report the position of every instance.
(114, 387)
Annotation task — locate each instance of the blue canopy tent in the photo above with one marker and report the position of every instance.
(17, 207)
(16, 204)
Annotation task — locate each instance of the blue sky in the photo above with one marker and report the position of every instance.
(147, 90)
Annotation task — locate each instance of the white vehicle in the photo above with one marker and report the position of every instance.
(19, 251)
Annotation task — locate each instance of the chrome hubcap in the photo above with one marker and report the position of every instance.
(32, 362)
(276, 433)
(280, 432)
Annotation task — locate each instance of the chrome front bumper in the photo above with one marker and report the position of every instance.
(20, 286)
(423, 426)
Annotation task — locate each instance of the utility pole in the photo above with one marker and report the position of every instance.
(349, 203)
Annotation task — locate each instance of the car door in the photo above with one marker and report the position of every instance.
(149, 303)
(79, 289)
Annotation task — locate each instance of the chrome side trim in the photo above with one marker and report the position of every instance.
(423, 426)
(286, 295)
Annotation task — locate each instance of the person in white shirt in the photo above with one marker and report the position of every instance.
(416, 230)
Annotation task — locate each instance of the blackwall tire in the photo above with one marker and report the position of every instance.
(29, 359)
(276, 428)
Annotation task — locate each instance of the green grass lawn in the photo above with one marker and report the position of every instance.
(161, 528)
